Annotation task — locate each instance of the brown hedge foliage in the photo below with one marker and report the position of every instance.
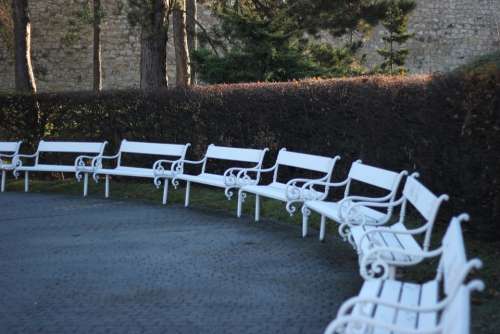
(445, 127)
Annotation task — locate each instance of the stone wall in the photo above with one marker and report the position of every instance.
(448, 33)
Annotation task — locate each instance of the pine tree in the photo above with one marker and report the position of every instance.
(396, 24)
(266, 40)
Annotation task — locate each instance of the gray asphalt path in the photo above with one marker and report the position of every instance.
(74, 265)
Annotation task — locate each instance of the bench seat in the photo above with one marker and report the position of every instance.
(404, 242)
(331, 211)
(403, 293)
(275, 190)
(208, 179)
(7, 166)
(132, 171)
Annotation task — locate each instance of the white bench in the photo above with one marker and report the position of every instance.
(227, 180)
(8, 150)
(83, 163)
(290, 191)
(440, 306)
(336, 211)
(159, 168)
(383, 248)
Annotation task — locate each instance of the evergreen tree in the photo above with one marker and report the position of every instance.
(396, 24)
(267, 40)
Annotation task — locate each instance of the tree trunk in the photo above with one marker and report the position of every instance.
(191, 17)
(97, 47)
(24, 77)
(154, 49)
(183, 71)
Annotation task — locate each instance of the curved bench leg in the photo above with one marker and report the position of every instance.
(85, 184)
(106, 187)
(257, 208)
(188, 190)
(26, 182)
(165, 192)
(322, 228)
(4, 175)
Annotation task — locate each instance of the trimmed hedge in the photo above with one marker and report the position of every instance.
(445, 127)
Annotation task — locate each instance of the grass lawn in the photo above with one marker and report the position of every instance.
(486, 305)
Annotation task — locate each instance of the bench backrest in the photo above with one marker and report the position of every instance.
(453, 262)
(424, 201)
(136, 147)
(235, 153)
(71, 147)
(374, 176)
(456, 315)
(305, 161)
(10, 146)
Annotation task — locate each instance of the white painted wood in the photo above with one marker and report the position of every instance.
(454, 256)
(370, 289)
(410, 296)
(456, 317)
(378, 177)
(428, 298)
(234, 154)
(390, 293)
(70, 147)
(136, 147)
(9, 146)
(421, 198)
(305, 161)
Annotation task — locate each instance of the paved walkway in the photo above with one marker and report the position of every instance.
(73, 265)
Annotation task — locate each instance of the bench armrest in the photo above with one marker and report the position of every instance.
(17, 161)
(352, 302)
(177, 168)
(81, 165)
(309, 186)
(244, 179)
(338, 325)
(383, 229)
(298, 192)
(159, 169)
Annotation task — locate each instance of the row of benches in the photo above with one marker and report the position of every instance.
(384, 304)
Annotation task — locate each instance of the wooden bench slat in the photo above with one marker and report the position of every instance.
(429, 297)
(370, 289)
(391, 292)
(410, 296)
